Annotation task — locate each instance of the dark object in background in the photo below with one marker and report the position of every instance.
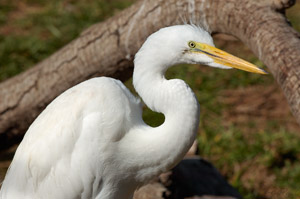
(197, 177)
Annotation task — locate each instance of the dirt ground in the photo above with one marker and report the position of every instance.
(258, 104)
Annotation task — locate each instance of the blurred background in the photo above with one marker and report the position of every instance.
(246, 128)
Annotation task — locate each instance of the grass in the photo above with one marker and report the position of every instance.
(254, 159)
(274, 153)
(32, 30)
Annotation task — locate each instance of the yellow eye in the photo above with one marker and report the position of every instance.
(192, 44)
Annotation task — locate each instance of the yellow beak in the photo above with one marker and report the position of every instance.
(226, 59)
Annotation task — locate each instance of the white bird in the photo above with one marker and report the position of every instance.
(91, 141)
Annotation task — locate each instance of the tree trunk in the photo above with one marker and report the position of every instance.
(108, 49)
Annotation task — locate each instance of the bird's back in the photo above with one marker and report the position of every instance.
(63, 151)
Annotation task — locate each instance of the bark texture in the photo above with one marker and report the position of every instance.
(108, 49)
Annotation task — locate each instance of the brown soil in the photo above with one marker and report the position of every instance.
(258, 105)
(21, 10)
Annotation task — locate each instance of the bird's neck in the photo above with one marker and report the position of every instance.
(167, 144)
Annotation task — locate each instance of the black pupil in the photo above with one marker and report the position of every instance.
(192, 44)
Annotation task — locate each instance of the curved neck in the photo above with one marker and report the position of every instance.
(167, 144)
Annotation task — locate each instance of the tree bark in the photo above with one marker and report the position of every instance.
(108, 48)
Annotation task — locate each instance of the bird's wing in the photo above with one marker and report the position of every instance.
(64, 152)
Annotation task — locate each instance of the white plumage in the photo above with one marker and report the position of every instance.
(91, 141)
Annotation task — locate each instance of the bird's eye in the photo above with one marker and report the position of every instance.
(192, 44)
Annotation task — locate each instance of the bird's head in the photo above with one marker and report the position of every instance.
(188, 44)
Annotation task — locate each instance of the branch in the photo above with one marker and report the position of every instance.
(108, 48)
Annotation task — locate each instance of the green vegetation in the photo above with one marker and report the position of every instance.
(32, 30)
(258, 157)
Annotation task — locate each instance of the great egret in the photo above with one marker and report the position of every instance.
(91, 141)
